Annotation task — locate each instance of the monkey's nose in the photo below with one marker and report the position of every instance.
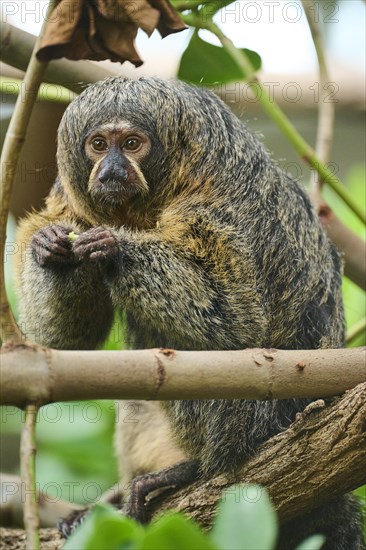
(107, 174)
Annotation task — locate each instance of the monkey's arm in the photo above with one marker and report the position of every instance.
(62, 305)
(201, 292)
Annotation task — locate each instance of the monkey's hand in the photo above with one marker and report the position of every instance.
(52, 246)
(97, 244)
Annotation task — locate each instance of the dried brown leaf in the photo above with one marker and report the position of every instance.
(105, 29)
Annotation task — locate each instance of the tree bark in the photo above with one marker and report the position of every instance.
(320, 457)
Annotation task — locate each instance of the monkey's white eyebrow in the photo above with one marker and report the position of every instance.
(113, 127)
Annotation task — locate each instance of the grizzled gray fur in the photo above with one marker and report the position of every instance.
(186, 225)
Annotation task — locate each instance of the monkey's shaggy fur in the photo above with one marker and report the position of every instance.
(223, 252)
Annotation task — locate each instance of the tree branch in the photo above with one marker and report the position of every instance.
(34, 374)
(13, 539)
(27, 466)
(326, 107)
(356, 330)
(12, 491)
(13, 143)
(16, 47)
(46, 92)
(353, 247)
(319, 458)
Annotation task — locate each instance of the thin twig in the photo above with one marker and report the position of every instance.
(27, 468)
(351, 245)
(13, 144)
(326, 107)
(305, 151)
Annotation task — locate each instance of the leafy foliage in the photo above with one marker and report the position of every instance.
(245, 521)
(204, 63)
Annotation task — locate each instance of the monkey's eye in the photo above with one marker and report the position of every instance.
(132, 144)
(99, 144)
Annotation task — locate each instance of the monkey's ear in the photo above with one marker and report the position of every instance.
(104, 30)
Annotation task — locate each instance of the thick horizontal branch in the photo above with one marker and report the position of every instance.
(16, 47)
(35, 374)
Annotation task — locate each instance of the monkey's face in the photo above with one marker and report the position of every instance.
(128, 147)
(115, 152)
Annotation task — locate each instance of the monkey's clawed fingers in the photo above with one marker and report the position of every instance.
(175, 477)
(68, 525)
(97, 243)
(51, 245)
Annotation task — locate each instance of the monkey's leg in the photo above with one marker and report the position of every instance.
(137, 452)
(177, 476)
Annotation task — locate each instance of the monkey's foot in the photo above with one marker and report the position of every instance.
(68, 525)
(176, 477)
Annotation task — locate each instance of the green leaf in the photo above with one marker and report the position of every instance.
(106, 528)
(246, 519)
(203, 63)
(174, 531)
(312, 543)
